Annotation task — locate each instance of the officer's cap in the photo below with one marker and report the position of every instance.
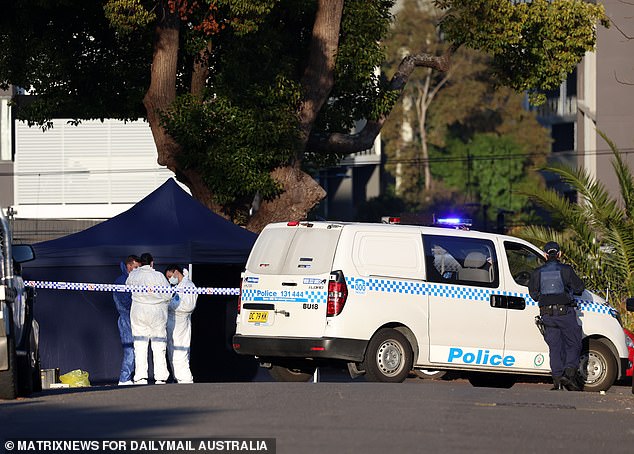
(551, 248)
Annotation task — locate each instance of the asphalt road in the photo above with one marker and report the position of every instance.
(339, 416)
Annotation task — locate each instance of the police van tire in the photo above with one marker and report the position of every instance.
(29, 375)
(388, 358)
(284, 374)
(598, 366)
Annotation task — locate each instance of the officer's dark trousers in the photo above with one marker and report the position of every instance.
(563, 336)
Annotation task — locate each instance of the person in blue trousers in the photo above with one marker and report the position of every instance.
(123, 302)
(553, 285)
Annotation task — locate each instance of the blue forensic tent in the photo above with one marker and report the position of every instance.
(78, 329)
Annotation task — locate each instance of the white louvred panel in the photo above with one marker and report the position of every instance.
(96, 163)
(39, 165)
(86, 150)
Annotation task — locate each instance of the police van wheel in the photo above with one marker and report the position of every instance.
(389, 357)
(28, 365)
(598, 367)
(284, 374)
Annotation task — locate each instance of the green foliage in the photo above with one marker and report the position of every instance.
(235, 145)
(489, 167)
(468, 115)
(533, 44)
(598, 237)
(126, 16)
(65, 53)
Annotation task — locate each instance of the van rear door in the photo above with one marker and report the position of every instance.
(285, 285)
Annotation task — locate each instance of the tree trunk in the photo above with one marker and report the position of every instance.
(319, 75)
(162, 91)
(301, 192)
(160, 96)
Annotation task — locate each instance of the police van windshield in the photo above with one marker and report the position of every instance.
(522, 261)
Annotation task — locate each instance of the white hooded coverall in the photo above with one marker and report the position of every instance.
(179, 329)
(148, 317)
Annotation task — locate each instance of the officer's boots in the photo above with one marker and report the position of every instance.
(571, 379)
(557, 384)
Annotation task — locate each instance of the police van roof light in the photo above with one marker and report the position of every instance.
(390, 220)
(453, 222)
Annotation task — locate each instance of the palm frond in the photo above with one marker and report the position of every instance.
(624, 175)
(602, 205)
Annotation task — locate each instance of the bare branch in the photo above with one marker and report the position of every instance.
(364, 139)
(625, 35)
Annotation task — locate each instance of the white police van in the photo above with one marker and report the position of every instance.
(386, 299)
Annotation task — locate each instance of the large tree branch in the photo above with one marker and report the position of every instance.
(364, 139)
(318, 78)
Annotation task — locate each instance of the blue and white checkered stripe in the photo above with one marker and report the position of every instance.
(307, 296)
(454, 291)
(130, 288)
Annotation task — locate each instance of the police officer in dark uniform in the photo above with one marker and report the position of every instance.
(552, 286)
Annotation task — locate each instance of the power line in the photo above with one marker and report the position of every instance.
(505, 156)
(417, 160)
(81, 172)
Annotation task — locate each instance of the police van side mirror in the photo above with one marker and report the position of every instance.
(629, 304)
(22, 253)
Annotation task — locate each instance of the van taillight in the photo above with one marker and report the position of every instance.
(240, 297)
(337, 293)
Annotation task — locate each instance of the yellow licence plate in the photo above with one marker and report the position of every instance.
(258, 317)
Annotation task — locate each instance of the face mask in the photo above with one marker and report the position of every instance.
(173, 280)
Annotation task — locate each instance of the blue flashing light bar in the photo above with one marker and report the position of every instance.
(453, 222)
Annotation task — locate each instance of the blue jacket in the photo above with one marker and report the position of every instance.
(123, 300)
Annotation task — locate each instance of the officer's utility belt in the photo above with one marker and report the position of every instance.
(554, 309)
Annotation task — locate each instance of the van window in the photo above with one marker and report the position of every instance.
(269, 252)
(456, 260)
(522, 261)
(294, 251)
(311, 251)
(397, 255)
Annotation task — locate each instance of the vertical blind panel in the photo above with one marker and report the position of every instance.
(92, 163)
(40, 168)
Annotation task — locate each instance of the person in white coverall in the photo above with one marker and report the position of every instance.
(179, 323)
(148, 317)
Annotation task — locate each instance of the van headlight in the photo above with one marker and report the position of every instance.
(629, 342)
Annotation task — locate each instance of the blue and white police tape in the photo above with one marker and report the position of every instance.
(130, 288)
